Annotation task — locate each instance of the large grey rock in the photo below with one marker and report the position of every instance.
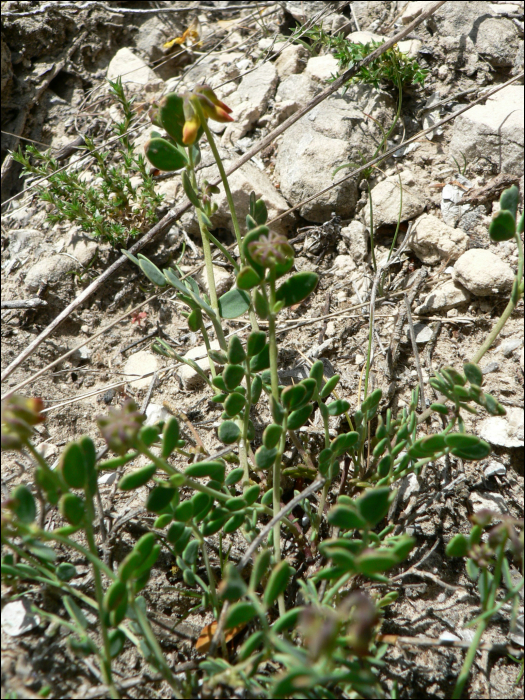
(333, 133)
(483, 273)
(498, 41)
(322, 67)
(242, 182)
(135, 74)
(493, 130)
(446, 296)
(459, 19)
(250, 100)
(51, 270)
(291, 61)
(433, 241)
(292, 94)
(386, 198)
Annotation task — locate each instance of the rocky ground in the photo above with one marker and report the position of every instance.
(457, 279)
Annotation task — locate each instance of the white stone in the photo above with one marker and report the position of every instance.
(156, 413)
(504, 431)
(291, 61)
(493, 130)
(250, 101)
(433, 241)
(386, 198)
(344, 265)
(142, 362)
(82, 354)
(364, 37)
(410, 47)
(422, 332)
(444, 297)
(132, 70)
(107, 478)
(487, 501)
(297, 90)
(413, 10)
(483, 273)
(18, 618)
(47, 449)
(507, 347)
(494, 469)
(322, 67)
(356, 238)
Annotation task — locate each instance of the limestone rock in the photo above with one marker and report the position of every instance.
(133, 71)
(189, 377)
(140, 363)
(446, 296)
(497, 40)
(504, 431)
(385, 200)
(322, 67)
(52, 270)
(356, 238)
(483, 273)
(493, 130)
(433, 241)
(291, 61)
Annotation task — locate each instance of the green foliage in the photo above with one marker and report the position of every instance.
(112, 207)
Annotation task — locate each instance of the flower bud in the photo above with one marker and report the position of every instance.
(271, 249)
(121, 427)
(19, 414)
(212, 97)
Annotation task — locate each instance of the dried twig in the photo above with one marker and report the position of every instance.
(422, 401)
(23, 303)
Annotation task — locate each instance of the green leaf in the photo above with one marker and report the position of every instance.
(164, 155)
(252, 236)
(310, 386)
(509, 200)
(130, 256)
(202, 504)
(346, 517)
(66, 571)
(170, 436)
(149, 434)
(297, 288)
(256, 342)
(236, 353)
(171, 115)
(372, 401)
(152, 272)
(234, 477)
(260, 213)
(262, 308)
(374, 561)
(159, 498)
(114, 595)
(298, 418)
(316, 372)
(23, 504)
(235, 503)
(229, 432)
(272, 435)
(373, 505)
(234, 303)
(287, 621)
(248, 278)
(116, 639)
(473, 373)
(329, 387)
(292, 396)
(256, 389)
(252, 494)
(162, 521)
(520, 223)
(145, 544)
(341, 557)
(250, 222)
(191, 552)
(184, 512)
(72, 466)
(195, 320)
(264, 458)
(277, 582)
(251, 645)
(215, 470)
(440, 408)
(502, 227)
(175, 532)
(261, 361)
(233, 376)
(190, 192)
(479, 451)
(461, 440)
(277, 410)
(73, 508)
(137, 478)
(240, 613)
(336, 408)
(260, 568)
(232, 586)
(234, 523)
(458, 546)
(234, 404)
(343, 443)
(432, 444)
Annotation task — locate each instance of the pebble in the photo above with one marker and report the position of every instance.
(487, 501)
(140, 363)
(155, 413)
(491, 367)
(508, 346)
(494, 469)
(504, 431)
(483, 273)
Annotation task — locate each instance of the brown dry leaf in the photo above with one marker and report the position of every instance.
(203, 643)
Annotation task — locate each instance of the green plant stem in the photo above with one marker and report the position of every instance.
(206, 248)
(212, 586)
(99, 594)
(371, 226)
(208, 348)
(515, 296)
(243, 456)
(204, 123)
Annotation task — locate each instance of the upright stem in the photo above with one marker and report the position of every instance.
(515, 296)
(204, 123)
(275, 395)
